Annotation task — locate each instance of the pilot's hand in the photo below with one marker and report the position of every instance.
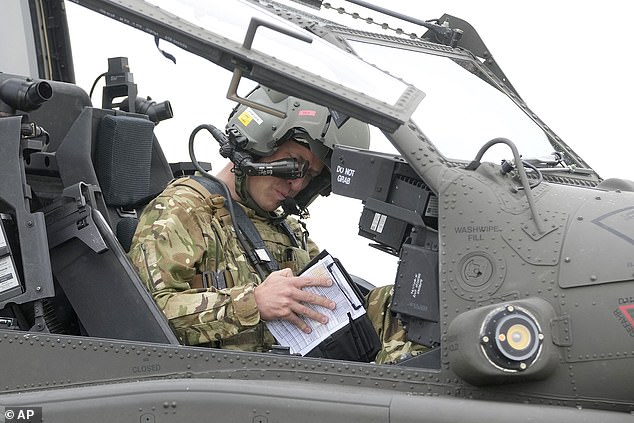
(280, 297)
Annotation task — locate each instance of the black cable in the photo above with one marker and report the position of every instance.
(227, 193)
(476, 161)
(94, 84)
(540, 176)
(519, 163)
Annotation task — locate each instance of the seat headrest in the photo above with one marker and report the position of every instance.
(123, 156)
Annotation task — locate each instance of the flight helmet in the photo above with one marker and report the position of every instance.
(316, 126)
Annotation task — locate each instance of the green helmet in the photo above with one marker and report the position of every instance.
(315, 125)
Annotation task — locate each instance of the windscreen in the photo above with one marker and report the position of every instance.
(231, 19)
(460, 111)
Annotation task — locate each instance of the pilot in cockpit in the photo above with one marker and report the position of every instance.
(210, 278)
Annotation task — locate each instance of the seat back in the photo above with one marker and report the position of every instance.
(123, 161)
(95, 275)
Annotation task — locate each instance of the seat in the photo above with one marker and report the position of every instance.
(106, 164)
(88, 261)
(96, 276)
(131, 170)
(94, 288)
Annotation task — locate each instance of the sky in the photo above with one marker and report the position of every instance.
(569, 62)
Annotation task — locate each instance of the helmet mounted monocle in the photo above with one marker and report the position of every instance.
(253, 134)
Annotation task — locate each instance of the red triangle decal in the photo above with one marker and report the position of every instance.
(627, 311)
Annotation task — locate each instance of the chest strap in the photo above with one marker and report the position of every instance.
(257, 252)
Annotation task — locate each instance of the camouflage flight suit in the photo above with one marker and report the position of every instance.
(185, 233)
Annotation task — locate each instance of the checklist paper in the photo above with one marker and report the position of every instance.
(348, 303)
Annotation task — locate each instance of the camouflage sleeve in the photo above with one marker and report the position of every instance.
(167, 246)
(394, 343)
(312, 248)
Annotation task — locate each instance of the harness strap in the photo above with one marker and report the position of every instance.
(258, 253)
(205, 280)
(289, 232)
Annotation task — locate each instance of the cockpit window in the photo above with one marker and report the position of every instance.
(460, 112)
(231, 19)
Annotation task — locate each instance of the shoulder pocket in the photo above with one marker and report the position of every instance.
(295, 259)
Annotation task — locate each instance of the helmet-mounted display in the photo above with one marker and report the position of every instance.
(253, 134)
